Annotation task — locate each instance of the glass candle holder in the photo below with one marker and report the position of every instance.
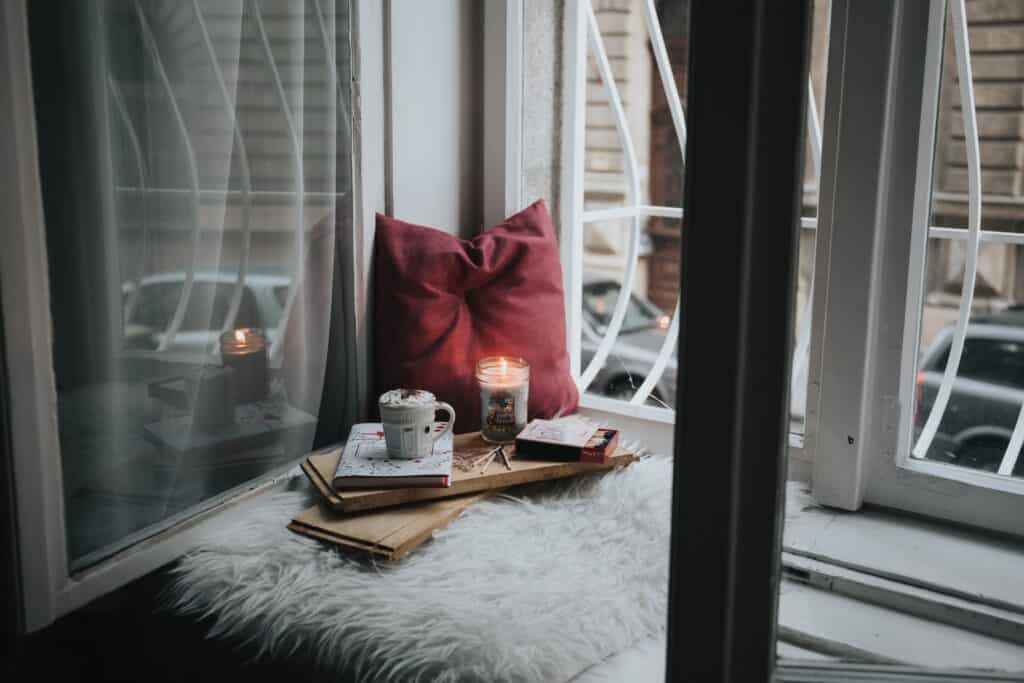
(504, 391)
(245, 350)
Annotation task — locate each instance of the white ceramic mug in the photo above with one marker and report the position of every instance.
(408, 419)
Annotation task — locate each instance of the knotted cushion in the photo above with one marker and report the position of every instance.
(442, 303)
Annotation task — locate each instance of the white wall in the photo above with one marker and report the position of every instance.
(436, 90)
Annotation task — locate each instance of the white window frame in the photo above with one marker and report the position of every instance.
(581, 27)
(582, 37)
(875, 211)
(49, 590)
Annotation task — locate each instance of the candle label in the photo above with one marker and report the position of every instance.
(504, 413)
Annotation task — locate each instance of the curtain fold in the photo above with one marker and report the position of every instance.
(197, 180)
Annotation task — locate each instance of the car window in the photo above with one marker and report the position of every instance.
(155, 304)
(997, 361)
(599, 304)
(207, 306)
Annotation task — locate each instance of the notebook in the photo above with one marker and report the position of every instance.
(365, 463)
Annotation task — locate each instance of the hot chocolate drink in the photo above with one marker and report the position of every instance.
(408, 418)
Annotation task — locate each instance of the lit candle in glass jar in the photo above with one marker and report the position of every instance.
(504, 390)
(245, 350)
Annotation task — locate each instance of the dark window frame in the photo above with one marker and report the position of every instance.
(746, 108)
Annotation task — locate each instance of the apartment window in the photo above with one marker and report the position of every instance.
(189, 296)
(622, 229)
(930, 346)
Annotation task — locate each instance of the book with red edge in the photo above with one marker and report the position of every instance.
(365, 463)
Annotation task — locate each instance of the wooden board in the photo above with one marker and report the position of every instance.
(320, 469)
(389, 534)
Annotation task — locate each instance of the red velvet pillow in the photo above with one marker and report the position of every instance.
(442, 303)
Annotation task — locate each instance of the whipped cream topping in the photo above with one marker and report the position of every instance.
(407, 397)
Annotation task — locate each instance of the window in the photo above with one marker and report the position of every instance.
(197, 169)
(917, 397)
(625, 184)
(624, 180)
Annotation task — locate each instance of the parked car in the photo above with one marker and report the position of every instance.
(986, 396)
(643, 331)
(149, 308)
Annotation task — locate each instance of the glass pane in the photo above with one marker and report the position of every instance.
(660, 166)
(193, 179)
(659, 175)
(644, 329)
(809, 212)
(974, 426)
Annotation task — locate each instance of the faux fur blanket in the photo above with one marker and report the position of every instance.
(532, 587)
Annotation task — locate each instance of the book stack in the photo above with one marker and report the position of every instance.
(387, 507)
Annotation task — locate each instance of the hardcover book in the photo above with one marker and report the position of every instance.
(365, 463)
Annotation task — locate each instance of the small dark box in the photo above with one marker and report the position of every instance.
(601, 446)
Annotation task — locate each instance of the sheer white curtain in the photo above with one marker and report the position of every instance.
(221, 167)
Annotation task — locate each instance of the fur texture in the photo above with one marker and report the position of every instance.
(532, 587)
(538, 586)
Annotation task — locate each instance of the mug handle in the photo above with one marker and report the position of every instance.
(441, 405)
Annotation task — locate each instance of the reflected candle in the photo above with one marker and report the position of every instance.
(245, 350)
(504, 391)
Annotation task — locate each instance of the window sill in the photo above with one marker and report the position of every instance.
(923, 553)
(919, 581)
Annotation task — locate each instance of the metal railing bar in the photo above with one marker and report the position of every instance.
(133, 138)
(668, 81)
(993, 199)
(1009, 461)
(217, 195)
(668, 347)
(190, 271)
(938, 408)
(945, 233)
(633, 194)
(630, 212)
(813, 130)
(300, 242)
(807, 222)
(333, 68)
(802, 349)
(243, 158)
(675, 106)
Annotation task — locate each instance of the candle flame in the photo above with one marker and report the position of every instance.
(240, 336)
(504, 366)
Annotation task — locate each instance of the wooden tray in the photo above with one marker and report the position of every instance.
(388, 534)
(320, 469)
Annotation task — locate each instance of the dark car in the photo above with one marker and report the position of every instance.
(643, 332)
(987, 392)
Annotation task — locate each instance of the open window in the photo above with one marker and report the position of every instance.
(622, 222)
(917, 404)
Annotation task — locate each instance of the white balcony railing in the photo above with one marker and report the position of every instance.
(974, 236)
(634, 210)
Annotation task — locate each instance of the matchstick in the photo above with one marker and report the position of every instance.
(485, 456)
(493, 454)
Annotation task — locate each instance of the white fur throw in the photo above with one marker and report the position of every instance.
(532, 587)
